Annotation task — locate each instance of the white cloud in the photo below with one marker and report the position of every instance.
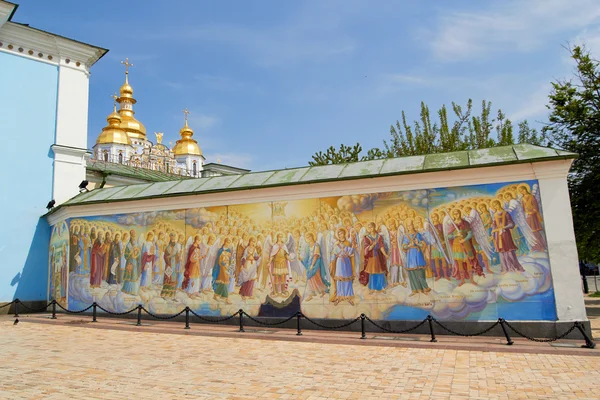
(520, 25)
(534, 104)
(201, 121)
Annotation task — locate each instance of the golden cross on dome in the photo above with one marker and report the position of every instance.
(127, 64)
(186, 113)
(114, 97)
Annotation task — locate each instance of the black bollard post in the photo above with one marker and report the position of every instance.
(139, 317)
(509, 341)
(241, 312)
(589, 343)
(94, 312)
(430, 320)
(53, 309)
(187, 317)
(17, 308)
(363, 334)
(298, 316)
(586, 288)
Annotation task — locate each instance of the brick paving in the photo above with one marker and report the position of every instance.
(72, 358)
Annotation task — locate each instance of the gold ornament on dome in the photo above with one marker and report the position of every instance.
(186, 145)
(159, 136)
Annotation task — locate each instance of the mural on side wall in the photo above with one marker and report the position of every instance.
(59, 258)
(462, 253)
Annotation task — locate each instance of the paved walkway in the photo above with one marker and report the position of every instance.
(72, 358)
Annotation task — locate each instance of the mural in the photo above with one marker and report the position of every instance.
(461, 253)
(59, 260)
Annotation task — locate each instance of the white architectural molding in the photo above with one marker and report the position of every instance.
(6, 11)
(69, 171)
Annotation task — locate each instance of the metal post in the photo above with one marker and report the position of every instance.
(94, 312)
(362, 327)
(589, 343)
(17, 308)
(430, 320)
(139, 317)
(509, 341)
(53, 309)
(586, 288)
(241, 312)
(298, 316)
(187, 317)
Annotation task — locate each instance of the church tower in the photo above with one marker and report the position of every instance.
(187, 152)
(113, 144)
(134, 128)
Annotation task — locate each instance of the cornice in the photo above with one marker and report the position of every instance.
(6, 11)
(42, 46)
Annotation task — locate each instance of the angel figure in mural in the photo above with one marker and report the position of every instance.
(114, 260)
(242, 243)
(264, 267)
(325, 239)
(208, 253)
(132, 265)
(521, 233)
(397, 260)
(375, 259)
(99, 260)
(316, 277)
(458, 234)
(221, 270)
(342, 269)
(148, 260)
(501, 226)
(170, 258)
(440, 262)
(247, 276)
(481, 243)
(293, 245)
(358, 234)
(279, 266)
(191, 276)
(530, 202)
(486, 217)
(413, 244)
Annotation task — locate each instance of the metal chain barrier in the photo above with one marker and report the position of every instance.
(392, 331)
(8, 304)
(116, 313)
(541, 340)
(34, 309)
(73, 312)
(163, 318)
(269, 323)
(495, 324)
(331, 327)
(216, 320)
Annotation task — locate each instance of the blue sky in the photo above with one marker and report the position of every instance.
(268, 82)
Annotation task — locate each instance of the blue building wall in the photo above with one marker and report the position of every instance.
(28, 98)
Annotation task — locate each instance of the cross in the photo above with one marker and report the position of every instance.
(127, 64)
(186, 112)
(114, 97)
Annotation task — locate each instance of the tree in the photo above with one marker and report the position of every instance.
(574, 125)
(466, 131)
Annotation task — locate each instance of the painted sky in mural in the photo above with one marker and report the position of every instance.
(462, 253)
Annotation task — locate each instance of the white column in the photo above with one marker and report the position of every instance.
(71, 131)
(562, 249)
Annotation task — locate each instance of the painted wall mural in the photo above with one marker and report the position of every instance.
(58, 257)
(461, 253)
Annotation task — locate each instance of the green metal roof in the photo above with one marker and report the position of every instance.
(132, 172)
(520, 153)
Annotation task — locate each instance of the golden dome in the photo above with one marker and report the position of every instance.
(186, 145)
(113, 133)
(134, 128)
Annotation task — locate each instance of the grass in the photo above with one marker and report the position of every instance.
(597, 294)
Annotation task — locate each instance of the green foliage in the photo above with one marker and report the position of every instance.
(595, 294)
(574, 125)
(463, 131)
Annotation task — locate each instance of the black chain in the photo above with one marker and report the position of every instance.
(392, 331)
(540, 340)
(164, 318)
(466, 334)
(34, 309)
(8, 304)
(116, 313)
(74, 312)
(215, 320)
(331, 327)
(269, 323)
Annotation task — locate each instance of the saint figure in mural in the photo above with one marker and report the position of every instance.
(515, 209)
(208, 253)
(221, 272)
(396, 262)
(148, 260)
(159, 265)
(191, 281)
(87, 243)
(486, 218)
(533, 216)
(438, 258)
(122, 246)
(375, 259)
(247, 275)
(280, 266)
(114, 260)
(503, 240)
(75, 260)
(133, 255)
(170, 257)
(316, 276)
(413, 244)
(459, 234)
(181, 260)
(99, 257)
(342, 269)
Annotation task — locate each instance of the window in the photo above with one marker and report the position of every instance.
(120, 157)
(194, 169)
(105, 155)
